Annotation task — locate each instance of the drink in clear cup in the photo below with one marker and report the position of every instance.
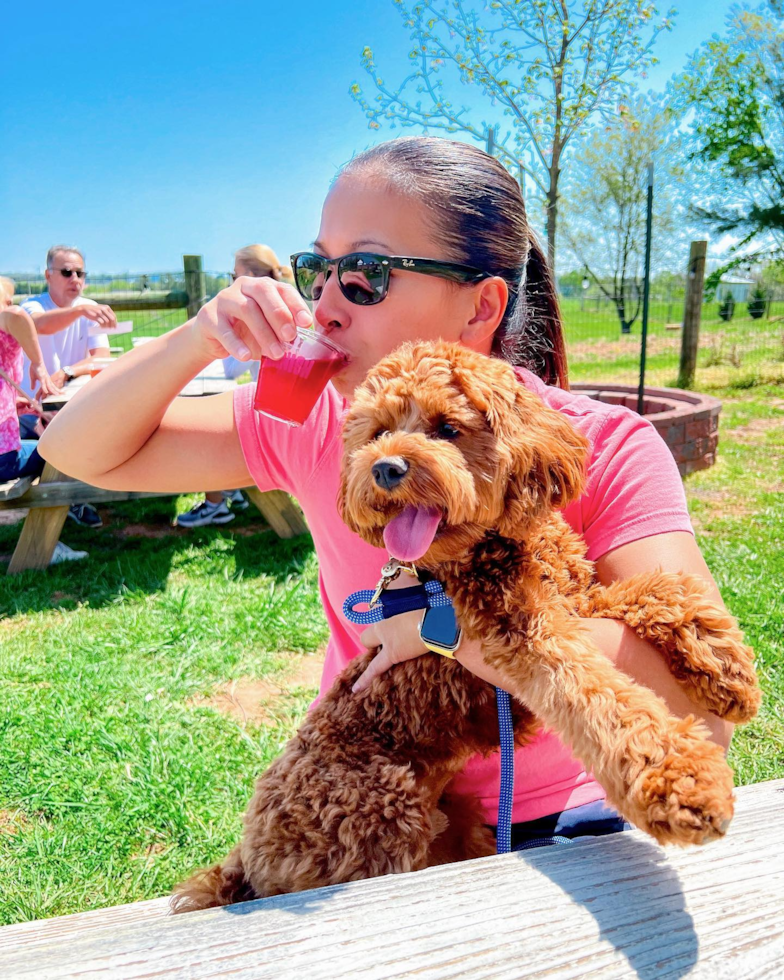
(289, 387)
(97, 364)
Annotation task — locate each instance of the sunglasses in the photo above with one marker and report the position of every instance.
(363, 277)
(67, 273)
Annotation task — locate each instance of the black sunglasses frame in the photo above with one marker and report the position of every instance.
(67, 273)
(453, 271)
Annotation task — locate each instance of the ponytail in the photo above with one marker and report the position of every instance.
(532, 335)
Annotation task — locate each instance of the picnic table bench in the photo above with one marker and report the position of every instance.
(607, 907)
(49, 496)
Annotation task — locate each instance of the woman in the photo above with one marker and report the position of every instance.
(413, 197)
(256, 261)
(19, 457)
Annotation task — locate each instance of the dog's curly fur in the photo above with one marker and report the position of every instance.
(362, 789)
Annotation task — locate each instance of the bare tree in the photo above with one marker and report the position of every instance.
(546, 65)
(605, 203)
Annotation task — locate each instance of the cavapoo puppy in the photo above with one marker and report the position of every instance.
(451, 463)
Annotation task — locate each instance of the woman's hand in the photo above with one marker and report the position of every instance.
(398, 639)
(40, 376)
(251, 318)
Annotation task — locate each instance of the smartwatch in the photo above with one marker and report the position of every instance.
(439, 630)
(68, 371)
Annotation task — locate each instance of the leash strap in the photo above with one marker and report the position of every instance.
(393, 602)
(506, 789)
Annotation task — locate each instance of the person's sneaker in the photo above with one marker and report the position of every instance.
(85, 515)
(63, 553)
(236, 498)
(206, 513)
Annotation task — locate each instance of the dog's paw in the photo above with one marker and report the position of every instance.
(687, 798)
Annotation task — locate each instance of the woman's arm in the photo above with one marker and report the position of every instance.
(19, 324)
(674, 552)
(127, 429)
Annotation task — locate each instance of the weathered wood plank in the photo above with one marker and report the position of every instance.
(612, 907)
(71, 492)
(279, 512)
(14, 488)
(40, 531)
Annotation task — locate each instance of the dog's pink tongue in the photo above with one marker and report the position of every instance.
(410, 534)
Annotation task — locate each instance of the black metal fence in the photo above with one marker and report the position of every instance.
(744, 342)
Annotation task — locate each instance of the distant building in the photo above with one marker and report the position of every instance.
(736, 287)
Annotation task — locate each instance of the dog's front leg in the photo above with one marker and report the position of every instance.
(700, 641)
(660, 772)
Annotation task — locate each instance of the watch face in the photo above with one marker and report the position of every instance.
(440, 627)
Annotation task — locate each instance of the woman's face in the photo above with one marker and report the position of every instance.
(362, 214)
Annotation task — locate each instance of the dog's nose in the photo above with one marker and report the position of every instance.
(389, 472)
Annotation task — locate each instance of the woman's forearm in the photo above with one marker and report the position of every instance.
(637, 659)
(112, 417)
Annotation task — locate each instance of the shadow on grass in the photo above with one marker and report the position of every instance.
(136, 551)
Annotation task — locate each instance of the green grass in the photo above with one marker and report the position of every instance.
(116, 781)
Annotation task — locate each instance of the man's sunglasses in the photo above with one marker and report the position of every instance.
(363, 277)
(67, 273)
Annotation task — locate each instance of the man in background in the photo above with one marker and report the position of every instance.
(68, 326)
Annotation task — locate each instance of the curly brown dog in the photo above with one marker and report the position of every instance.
(449, 457)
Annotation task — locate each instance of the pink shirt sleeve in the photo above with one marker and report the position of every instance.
(280, 456)
(634, 489)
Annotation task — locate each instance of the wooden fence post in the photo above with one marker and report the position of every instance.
(695, 283)
(195, 283)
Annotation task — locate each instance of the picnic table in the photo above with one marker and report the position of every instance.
(49, 498)
(607, 907)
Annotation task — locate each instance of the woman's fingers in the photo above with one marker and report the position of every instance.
(377, 666)
(254, 317)
(397, 640)
(281, 299)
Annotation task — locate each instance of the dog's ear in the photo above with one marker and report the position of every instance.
(544, 453)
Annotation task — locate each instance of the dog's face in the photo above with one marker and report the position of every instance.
(443, 445)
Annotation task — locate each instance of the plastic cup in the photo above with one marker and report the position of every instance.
(97, 364)
(288, 388)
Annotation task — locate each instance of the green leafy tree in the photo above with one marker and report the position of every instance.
(546, 66)
(605, 203)
(735, 88)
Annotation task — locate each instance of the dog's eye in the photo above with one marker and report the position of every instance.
(447, 431)
(377, 435)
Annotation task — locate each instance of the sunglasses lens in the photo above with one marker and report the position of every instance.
(362, 279)
(309, 273)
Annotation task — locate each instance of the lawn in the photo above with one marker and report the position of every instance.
(127, 750)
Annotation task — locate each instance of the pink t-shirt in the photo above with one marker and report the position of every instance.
(633, 491)
(11, 358)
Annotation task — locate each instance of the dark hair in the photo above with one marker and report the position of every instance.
(478, 211)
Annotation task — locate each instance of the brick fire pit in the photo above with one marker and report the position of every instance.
(688, 422)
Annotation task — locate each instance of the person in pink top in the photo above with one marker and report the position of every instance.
(18, 337)
(414, 197)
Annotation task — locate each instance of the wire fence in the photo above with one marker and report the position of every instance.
(744, 347)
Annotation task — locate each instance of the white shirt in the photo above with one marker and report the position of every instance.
(67, 346)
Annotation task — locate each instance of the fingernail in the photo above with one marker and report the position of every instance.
(289, 331)
(276, 351)
(303, 318)
(355, 688)
(242, 351)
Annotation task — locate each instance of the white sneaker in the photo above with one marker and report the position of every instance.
(206, 513)
(63, 553)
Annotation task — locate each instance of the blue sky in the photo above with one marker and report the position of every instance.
(143, 132)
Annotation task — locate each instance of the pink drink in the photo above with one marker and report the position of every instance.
(288, 388)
